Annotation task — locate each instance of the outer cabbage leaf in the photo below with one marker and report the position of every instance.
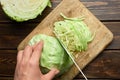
(53, 55)
(23, 10)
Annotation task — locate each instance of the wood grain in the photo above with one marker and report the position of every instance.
(108, 9)
(12, 35)
(104, 66)
(16, 29)
(101, 63)
(101, 40)
(102, 9)
(7, 63)
(10, 41)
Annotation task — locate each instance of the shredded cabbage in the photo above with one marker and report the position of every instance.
(74, 33)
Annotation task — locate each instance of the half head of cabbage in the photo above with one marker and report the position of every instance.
(23, 10)
(53, 55)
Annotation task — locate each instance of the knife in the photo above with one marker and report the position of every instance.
(70, 56)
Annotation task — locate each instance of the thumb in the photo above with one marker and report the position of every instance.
(51, 74)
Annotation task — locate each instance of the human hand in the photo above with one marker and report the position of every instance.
(27, 67)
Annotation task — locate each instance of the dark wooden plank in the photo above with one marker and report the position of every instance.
(17, 28)
(7, 62)
(6, 78)
(115, 29)
(10, 41)
(106, 65)
(13, 34)
(103, 9)
(25, 28)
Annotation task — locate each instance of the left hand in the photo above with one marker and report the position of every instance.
(27, 67)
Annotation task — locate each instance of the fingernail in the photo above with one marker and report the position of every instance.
(56, 70)
(28, 46)
(40, 45)
(42, 41)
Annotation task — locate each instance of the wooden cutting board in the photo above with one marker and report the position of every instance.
(74, 8)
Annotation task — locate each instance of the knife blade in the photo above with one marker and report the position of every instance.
(70, 56)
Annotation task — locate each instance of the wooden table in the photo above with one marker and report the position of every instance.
(105, 67)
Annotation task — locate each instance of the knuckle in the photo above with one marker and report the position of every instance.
(23, 64)
(37, 49)
(27, 48)
(18, 58)
(20, 52)
(32, 63)
(19, 55)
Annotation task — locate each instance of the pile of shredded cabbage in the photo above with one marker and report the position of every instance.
(74, 33)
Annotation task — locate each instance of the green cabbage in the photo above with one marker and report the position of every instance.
(23, 10)
(74, 33)
(53, 55)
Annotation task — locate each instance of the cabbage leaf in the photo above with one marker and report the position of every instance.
(23, 10)
(53, 55)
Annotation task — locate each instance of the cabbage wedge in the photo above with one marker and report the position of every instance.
(53, 54)
(23, 10)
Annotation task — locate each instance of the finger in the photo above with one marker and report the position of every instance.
(19, 56)
(37, 52)
(50, 75)
(35, 45)
(27, 53)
